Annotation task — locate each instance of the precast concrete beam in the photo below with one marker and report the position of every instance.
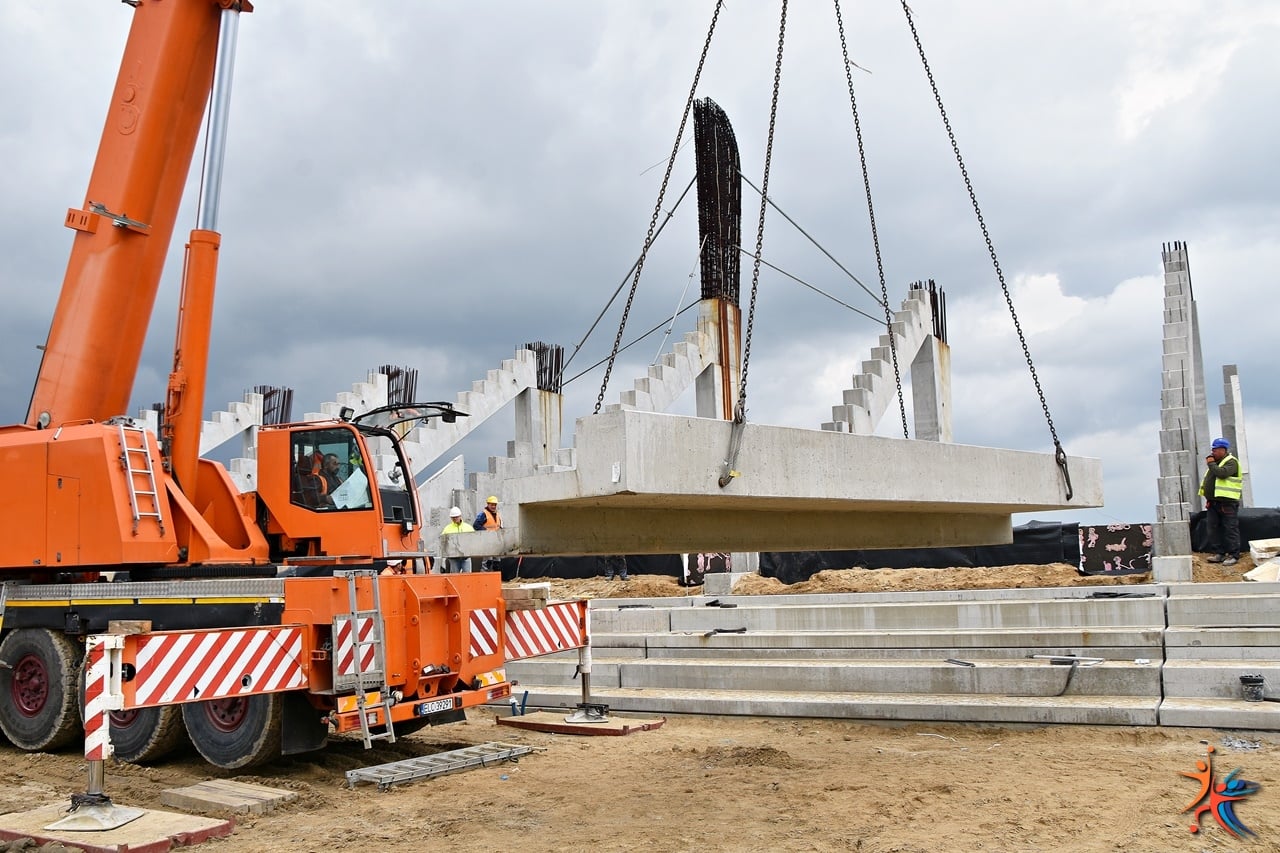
(648, 483)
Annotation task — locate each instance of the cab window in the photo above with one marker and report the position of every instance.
(329, 471)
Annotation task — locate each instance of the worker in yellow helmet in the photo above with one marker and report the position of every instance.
(488, 518)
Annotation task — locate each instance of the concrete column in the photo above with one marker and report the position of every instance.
(1231, 414)
(931, 391)
(716, 388)
(1184, 421)
(540, 423)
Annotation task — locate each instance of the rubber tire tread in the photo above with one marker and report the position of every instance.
(58, 723)
(255, 742)
(161, 730)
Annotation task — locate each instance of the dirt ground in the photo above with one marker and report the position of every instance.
(743, 784)
(886, 580)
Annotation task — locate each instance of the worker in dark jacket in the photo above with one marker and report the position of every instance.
(488, 518)
(1221, 488)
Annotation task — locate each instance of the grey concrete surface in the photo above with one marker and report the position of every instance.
(647, 483)
(882, 656)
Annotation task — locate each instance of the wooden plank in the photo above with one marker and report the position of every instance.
(547, 721)
(225, 795)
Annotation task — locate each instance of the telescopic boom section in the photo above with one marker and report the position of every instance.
(124, 229)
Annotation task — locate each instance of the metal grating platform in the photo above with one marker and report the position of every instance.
(440, 764)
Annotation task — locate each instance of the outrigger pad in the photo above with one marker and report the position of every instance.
(589, 712)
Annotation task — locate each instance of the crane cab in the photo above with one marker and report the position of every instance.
(334, 492)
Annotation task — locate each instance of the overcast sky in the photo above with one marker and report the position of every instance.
(432, 184)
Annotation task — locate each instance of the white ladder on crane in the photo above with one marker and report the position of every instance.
(135, 445)
(364, 679)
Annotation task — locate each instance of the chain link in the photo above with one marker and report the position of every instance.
(871, 213)
(1060, 455)
(740, 411)
(657, 208)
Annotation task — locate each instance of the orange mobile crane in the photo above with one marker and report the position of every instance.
(93, 494)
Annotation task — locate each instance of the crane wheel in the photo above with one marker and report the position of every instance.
(242, 731)
(39, 695)
(142, 734)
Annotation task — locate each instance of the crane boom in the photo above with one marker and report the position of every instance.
(124, 228)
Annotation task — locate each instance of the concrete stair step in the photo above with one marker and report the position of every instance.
(1080, 710)
(1025, 678)
(1140, 639)
(1216, 679)
(889, 616)
(1203, 712)
(1260, 610)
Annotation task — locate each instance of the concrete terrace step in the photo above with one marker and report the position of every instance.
(1216, 679)
(958, 616)
(881, 656)
(1203, 712)
(986, 708)
(1225, 644)
(993, 676)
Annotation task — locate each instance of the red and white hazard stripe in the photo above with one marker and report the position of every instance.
(554, 628)
(97, 718)
(199, 665)
(345, 646)
(484, 631)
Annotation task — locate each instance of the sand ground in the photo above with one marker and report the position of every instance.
(743, 784)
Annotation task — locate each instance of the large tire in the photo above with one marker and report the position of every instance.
(236, 733)
(146, 734)
(142, 734)
(39, 693)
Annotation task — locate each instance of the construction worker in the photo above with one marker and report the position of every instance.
(611, 565)
(331, 472)
(488, 518)
(457, 565)
(1221, 489)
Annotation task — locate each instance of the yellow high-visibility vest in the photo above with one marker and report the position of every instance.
(1227, 488)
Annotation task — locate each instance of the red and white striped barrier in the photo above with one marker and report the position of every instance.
(529, 633)
(344, 646)
(195, 666)
(484, 631)
(554, 628)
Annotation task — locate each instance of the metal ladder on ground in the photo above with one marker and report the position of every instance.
(373, 678)
(440, 764)
(135, 445)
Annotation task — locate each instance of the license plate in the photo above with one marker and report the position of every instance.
(434, 707)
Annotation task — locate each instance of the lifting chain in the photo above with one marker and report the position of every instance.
(657, 208)
(1060, 455)
(740, 410)
(871, 213)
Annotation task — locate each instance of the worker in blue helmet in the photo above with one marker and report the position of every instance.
(1221, 487)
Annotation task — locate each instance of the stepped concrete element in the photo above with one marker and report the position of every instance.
(1231, 416)
(665, 381)
(871, 394)
(425, 444)
(1217, 633)
(962, 656)
(363, 397)
(1184, 424)
(240, 418)
(648, 483)
(906, 656)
